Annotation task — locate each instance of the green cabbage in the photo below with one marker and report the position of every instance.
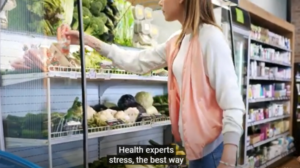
(145, 99)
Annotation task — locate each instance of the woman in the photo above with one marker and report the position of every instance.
(202, 80)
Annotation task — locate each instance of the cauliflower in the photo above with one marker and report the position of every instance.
(133, 113)
(152, 111)
(90, 112)
(122, 116)
(108, 114)
(144, 98)
(100, 119)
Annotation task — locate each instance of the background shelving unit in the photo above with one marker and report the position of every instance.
(44, 93)
(296, 107)
(255, 101)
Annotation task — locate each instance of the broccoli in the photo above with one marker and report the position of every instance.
(86, 18)
(86, 3)
(96, 27)
(103, 17)
(103, 2)
(96, 8)
(86, 12)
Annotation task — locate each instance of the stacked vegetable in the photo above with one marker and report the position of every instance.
(129, 109)
(124, 30)
(99, 18)
(161, 103)
(41, 16)
(21, 127)
(92, 58)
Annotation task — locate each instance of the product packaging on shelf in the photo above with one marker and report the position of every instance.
(270, 54)
(266, 36)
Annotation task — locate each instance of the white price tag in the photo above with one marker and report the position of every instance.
(92, 74)
(107, 77)
(73, 75)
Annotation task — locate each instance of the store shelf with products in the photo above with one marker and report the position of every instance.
(296, 107)
(268, 64)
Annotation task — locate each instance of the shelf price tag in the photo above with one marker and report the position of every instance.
(73, 75)
(92, 74)
(107, 77)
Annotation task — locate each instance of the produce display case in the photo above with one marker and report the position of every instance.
(44, 87)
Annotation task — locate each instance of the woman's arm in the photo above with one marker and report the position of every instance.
(139, 62)
(223, 79)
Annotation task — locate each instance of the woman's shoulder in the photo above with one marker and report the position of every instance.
(211, 34)
(210, 31)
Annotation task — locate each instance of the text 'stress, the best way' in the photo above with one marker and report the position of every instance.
(146, 155)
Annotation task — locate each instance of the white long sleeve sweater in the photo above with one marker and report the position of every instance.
(218, 67)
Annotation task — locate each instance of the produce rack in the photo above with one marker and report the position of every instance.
(62, 86)
(265, 66)
(36, 102)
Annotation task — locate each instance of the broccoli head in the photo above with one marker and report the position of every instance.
(104, 3)
(86, 12)
(96, 27)
(103, 17)
(86, 3)
(96, 8)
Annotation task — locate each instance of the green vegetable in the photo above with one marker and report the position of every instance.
(44, 15)
(96, 27)
(86, 3)
(86, 17)
(92, 58)
(75, 111)
(68, 6)
(144, 98)
(124, 29)
(96, 8)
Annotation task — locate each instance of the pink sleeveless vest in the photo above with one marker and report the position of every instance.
(201, 114)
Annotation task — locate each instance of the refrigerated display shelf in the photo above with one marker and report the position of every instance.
(260, 143)
(270, 61)
(12, 79)
(270, 45)
(97, 132)
(253, 123)
(271, 79)
(257, 100)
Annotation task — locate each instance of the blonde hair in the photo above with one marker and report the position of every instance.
(196, 12)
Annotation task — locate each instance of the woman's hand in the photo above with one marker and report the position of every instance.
(229, 155)
(65, 32)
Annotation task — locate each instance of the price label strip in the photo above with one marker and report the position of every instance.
(73, 75)
(92, 74)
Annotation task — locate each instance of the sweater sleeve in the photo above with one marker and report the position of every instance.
(139, 62)
(223, 79)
